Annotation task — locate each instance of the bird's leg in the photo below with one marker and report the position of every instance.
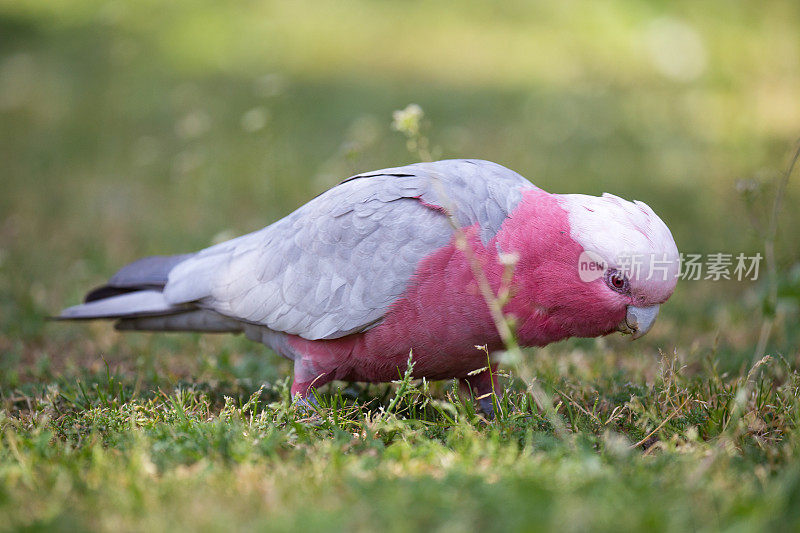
(306, 379)
(482, 385)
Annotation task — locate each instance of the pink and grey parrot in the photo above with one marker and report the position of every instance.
(353, 281)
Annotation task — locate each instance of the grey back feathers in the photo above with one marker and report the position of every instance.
(335, 265)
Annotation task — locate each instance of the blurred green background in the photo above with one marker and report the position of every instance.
(136, 128)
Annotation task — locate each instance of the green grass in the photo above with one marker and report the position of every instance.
(135, 128)
(703, 452)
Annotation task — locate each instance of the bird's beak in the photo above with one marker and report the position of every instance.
(639, 320)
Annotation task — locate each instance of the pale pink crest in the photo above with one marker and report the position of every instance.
(629, 237)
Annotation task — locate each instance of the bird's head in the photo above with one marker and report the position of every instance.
(629, 262)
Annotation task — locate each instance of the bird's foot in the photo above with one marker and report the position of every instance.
(306, 405)
(486, 405)
(482, 385)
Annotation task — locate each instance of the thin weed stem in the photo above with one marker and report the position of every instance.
(769, 258)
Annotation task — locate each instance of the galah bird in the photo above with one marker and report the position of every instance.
(353, 281)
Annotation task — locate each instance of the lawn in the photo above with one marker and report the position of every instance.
(136, 128)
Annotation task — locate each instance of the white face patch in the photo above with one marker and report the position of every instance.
(628, 236)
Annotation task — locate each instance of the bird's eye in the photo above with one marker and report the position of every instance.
(617, 281)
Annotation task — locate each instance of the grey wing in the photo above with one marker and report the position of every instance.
(336, 265)
(474, 190)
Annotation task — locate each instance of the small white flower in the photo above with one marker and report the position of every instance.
(508, 259)
(408, 120)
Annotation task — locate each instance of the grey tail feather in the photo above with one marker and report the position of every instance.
(149, 311)
(192, 320)
(133, 296)
(146, 274)
(127, 305)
